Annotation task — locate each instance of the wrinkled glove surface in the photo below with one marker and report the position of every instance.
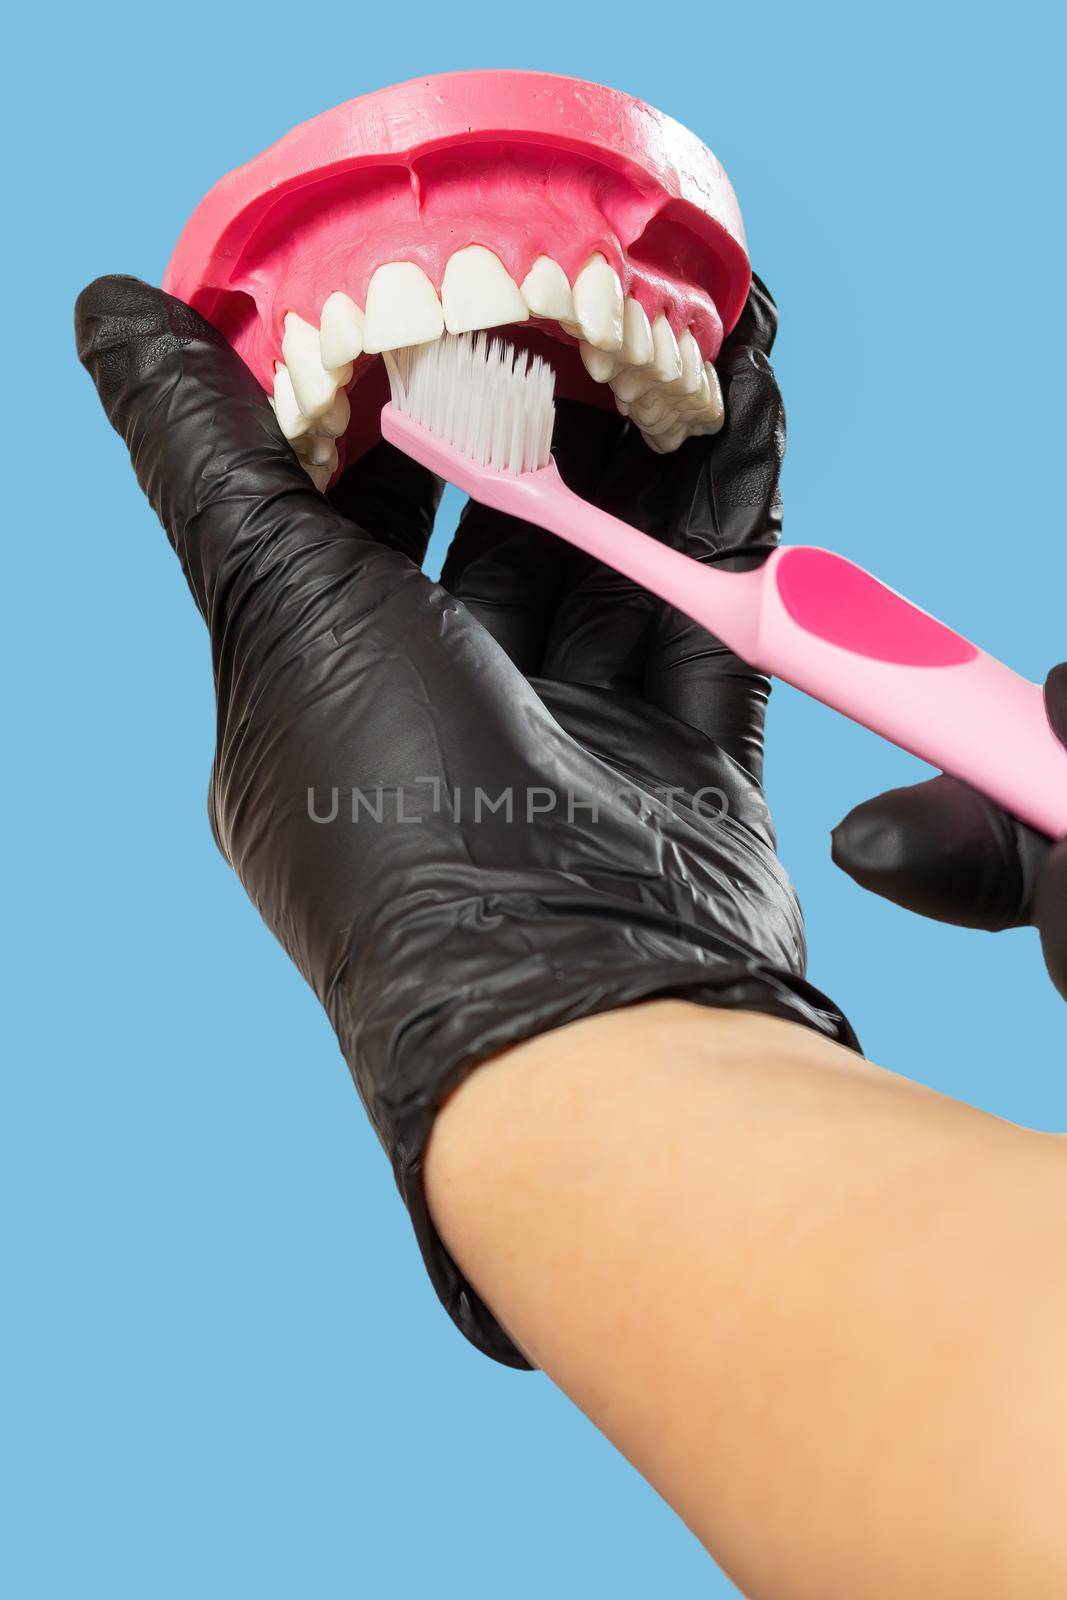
(473, 810)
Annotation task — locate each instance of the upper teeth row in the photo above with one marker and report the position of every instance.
(660, 381)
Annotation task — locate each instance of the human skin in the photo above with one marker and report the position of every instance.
(819, 1307)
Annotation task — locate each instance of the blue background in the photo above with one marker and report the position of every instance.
(226, 1373)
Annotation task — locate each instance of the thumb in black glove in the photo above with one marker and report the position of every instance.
(941, 849)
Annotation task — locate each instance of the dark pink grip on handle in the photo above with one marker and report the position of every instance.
(844, 605)
(829, 628)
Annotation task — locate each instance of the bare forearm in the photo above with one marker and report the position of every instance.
(819, 1307)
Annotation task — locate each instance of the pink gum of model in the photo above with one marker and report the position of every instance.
(525, 163)
(820, 623)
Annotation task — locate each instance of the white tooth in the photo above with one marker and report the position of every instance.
(600, 366)
(340, 330)
(659, 425)
(313, 384)
(716, 414)
(664, 443)
(666, 361)
(652, 408)
(316, 450)
(547, 293)
(689, 379)
(320, 476)
(291, 420)
(710, 417)
(633, 383)
(636, 335)
(676, 436)
(653, 404)
(479, 292)
(402, 309)
(598, 303)
(688, 405)
(335, 421)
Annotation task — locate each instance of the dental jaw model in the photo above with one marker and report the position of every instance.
(592, 228)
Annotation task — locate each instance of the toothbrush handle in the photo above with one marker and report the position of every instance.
(820, 623)
(831, 629)
(826, 626)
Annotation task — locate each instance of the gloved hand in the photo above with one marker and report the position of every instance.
(942, 849)
(477, 810)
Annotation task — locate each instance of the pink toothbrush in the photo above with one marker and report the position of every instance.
(477, 415)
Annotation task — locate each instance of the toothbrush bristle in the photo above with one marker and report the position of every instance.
(480, 396)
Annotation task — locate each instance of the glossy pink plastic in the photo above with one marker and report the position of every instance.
(528, 163)
(822, 624)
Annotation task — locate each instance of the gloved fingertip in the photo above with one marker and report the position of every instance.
(858, 845)
(113, 294)
(102, 290)
(1056, 700)
(942, 850)
(1050, 914)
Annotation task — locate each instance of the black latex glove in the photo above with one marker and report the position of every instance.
(942, 849)
(432, 936)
